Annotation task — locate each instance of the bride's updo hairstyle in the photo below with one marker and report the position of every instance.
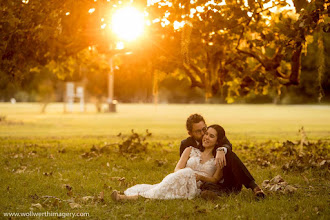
(220, 136)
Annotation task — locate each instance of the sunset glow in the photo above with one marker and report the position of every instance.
(128, 23)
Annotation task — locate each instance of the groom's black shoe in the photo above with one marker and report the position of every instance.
(258, 193)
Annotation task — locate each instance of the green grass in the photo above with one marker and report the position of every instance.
(34, 141)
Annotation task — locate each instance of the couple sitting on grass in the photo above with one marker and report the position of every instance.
(207, 167)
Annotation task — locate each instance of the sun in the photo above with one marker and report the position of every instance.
(128, 23)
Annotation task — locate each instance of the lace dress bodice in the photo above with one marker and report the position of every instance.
(180, 184)
(194, 162)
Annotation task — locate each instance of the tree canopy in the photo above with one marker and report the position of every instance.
(238, 46)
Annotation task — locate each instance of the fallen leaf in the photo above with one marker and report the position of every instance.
(48, 174)
(87, 198)
(105, 149)
(71, 200)
(290, 189)
(68, 187)
(32, 154)
(36, 205)
(277, 184)
(225, 206)
(201, 210)
(21, 169)
(56, 203)
(74, 205)
(105, 186)
(62, 151)
(277, 179)
(160, 162)
(34, 197)
(322, 163)
(101, 196)
(70, 193)
(305, 178)
(117, 178)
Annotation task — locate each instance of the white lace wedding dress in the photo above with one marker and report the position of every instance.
(180, 184)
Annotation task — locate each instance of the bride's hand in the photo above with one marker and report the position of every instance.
(220, 159)
(198, 177)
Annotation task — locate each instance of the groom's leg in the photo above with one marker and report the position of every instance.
(221, 188)
(236, 174)
(217, 188)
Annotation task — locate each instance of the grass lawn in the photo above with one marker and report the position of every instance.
(53, 162)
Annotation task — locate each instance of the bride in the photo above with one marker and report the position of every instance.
(194, 167)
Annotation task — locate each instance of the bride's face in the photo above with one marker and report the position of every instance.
(210, 138)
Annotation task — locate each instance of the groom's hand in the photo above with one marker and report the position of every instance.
(220, 159)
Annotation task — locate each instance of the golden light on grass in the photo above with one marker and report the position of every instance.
(128, 23)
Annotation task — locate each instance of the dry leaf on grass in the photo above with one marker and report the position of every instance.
(48, 174)
(62, 151)
(32, 154)
(278, 185)
(101, 196)
(160, 162)
(67, 186)
(117, 178)
(87, 198)
(89, 155)
(21, 169)
(105, 186)
(74, 205)
(36, 205)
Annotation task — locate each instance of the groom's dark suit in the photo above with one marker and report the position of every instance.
(235, 174)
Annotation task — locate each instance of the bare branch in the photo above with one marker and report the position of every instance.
(197, 71)
(194, 81)
(252, 54)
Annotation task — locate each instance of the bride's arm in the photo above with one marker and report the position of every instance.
(183, 159)
(214, 179)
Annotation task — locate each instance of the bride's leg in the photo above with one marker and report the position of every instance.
(117, 197)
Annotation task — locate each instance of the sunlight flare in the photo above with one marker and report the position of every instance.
(128, 23)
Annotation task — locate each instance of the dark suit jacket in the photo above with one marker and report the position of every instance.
(191, 142)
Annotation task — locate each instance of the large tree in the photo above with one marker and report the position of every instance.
(243, 45)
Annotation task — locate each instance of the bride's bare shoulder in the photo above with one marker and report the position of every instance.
(188, 150)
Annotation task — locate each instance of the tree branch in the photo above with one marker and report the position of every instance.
(194, 82)
(254, 55)
(198, 72)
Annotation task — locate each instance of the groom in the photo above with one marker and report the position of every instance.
(235, 174)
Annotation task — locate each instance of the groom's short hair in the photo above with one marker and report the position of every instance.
(193, 119)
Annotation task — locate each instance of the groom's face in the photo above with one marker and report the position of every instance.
(198, 130)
